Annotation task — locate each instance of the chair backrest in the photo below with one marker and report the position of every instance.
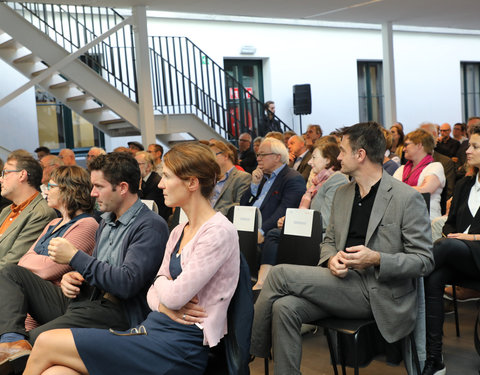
(426, 196)
(302, 250)
(232, 354)
(176, 218)
(151, 204)
(248, 239)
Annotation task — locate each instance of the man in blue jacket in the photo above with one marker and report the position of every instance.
(106, 290)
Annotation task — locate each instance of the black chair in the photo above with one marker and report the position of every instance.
(469, 284)
(232, 355)
(301, 250)
(426, 196)
(353, 327)
(248, 242)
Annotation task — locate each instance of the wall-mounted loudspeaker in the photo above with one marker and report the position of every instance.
(302, 99)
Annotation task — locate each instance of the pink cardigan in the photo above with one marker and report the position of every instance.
(210, 268)
(81, 234)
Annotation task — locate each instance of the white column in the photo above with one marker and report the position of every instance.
(389, 75)
(146, 118)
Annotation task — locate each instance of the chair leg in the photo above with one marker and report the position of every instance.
(355, 353)
(341, 352)
(266, 365)
(414, 352)
(455, 310)
(332, 350)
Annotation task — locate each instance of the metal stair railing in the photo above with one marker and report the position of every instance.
(73, 26)
(186, 79)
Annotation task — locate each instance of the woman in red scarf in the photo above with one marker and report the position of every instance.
(420, 171)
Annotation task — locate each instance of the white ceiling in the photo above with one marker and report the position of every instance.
(459, 14)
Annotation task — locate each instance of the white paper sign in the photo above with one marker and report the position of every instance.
(298, 222)
(183, 216)
(244, 218)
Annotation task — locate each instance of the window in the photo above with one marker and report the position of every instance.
(370, 91)
(470, 89)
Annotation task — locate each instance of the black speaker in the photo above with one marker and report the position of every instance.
(302, 99)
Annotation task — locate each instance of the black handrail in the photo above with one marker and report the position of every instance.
(73, 26)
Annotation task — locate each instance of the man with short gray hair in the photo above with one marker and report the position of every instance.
(299, 156)
(275, 186)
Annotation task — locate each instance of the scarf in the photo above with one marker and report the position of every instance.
(317, 181)
(410, 175)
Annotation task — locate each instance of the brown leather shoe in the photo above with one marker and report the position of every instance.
(10, 351)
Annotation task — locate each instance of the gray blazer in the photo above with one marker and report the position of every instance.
(399, 228)
(322, 201)
(24, 230)
(237, 183)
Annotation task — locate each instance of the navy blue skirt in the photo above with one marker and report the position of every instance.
(167, 348)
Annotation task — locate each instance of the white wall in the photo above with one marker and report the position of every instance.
(18, 118)
(427, 66)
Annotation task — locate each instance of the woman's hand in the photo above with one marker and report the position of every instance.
(280, 222)
(189, 314)
(464, 236)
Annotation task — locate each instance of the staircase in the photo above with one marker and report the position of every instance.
(189, 88)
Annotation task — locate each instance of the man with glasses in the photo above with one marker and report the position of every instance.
(22, 222)
(447, 145)
(275, 186)
(248, 159)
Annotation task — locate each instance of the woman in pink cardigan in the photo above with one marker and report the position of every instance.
(189, 296)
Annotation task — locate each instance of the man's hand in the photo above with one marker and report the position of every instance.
(189, 314)
(257, 176)
(70, 284)
(291, 157)
(260, 237)
(359, 257)
(61, 250)
(280, 222)
(336, 267)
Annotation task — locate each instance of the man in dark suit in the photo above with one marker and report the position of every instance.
(299, 156)
(275, 187)
(377, 244)
(248, 159)
(149, 183)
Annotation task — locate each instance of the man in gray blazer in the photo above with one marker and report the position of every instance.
(367, 268)
(22, 222)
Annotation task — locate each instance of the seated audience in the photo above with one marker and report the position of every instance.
(49, 163)
(234, 152)
(275, 187)
(41, 152)
(276, 135)
(134, 147)
(314, 133)
(389, 164)
(4, 202)
(398, 139)
(287, 135)
(377, 243)
(22, 222)
(231, 184)
(149, 183)
(421, 172)
(67, 156)
(256, 145)
(156, 151)
(93, 153)
(327, 178)
(447, 145)
(457, 257)
(68, 192)
(189, 297)
(299, 156)
(108, 289)
(248, 160)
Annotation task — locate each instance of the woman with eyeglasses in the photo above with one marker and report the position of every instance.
(420, 171)
(189, 297)
(68, 192)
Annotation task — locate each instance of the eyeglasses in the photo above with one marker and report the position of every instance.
(51, 186)
(7, 171)
(263, 155)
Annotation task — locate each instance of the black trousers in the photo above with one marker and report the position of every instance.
(453, 261)
(22, 292)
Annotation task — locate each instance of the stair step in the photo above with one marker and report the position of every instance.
(112, 121)
(95, 110)
(8, 44)
(79, 98)
(25, 59)
(38, 72)
(61, 85)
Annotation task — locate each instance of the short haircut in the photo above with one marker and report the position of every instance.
(258, 140)
(33, 167)
(277, 147)
(248, 136)
(317, 129)
(276, 135)
(148, 158)
(367, 136)
(463, 126)
(100, 150)
(299, 138)
(75, 187)
(44, 149)
(330, 151)
(423, 137)
(157, 147)
(224, 148)
(194, 160)
(290, 133)
(118, 167)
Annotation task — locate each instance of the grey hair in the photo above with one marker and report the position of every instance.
(277, 147)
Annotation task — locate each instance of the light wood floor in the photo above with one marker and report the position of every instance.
(459, 352)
